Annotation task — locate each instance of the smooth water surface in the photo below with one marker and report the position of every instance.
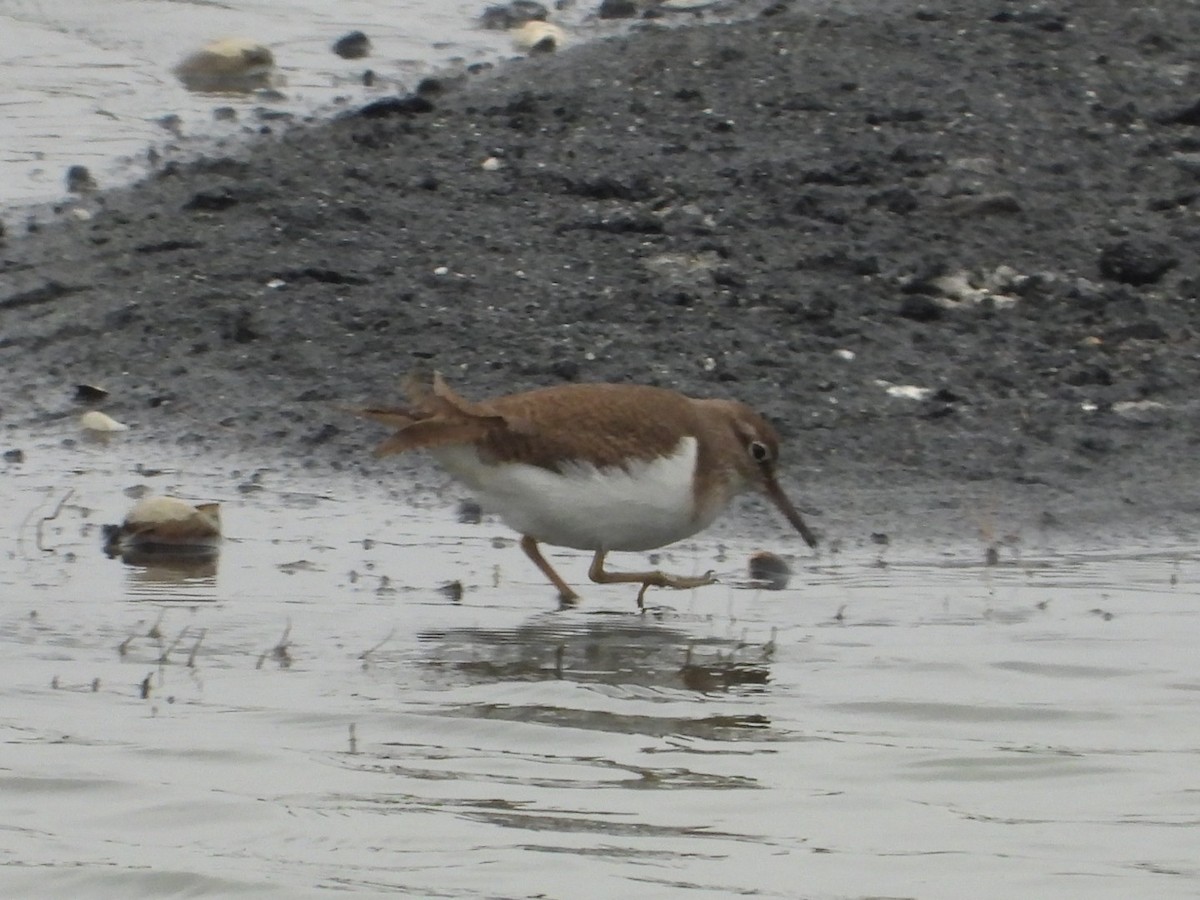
(321, 715)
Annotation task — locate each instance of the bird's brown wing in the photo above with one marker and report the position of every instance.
(436, 417)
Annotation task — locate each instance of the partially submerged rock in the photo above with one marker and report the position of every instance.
(90, 393)
(354, 45)
(230, 65)
(769, 570)
(538, 37)
(165, 526)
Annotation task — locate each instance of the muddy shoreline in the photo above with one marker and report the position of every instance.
(949, 252)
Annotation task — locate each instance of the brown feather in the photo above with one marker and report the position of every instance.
(396, 418)
(435, 432)
(437, 417)
(606, 425)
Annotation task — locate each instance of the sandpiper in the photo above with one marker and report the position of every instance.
(598, 467)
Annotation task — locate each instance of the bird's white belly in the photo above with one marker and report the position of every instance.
(646, 505)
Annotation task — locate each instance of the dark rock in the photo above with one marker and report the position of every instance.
(89, 393)
(620, 222)
(431, 87)
(770, 569)
(843, 173)
(80, 180)
(239, 328)
(1188, 115)
(566, 369)
(894, 116)
(897, 200)
(470, 512)
(920, 308)
(1089, 374)
(325, 433)
(323, 276)
(1096, 444)
(46, 293)
(121, 318)
(617, 9)
(1038, 18)
(354, 45)
(168, 246)
(410, 105)
(211, 200)
(983, 205)
(607, 187)
(513, 15)
(452, 591)
(1137, 261)
(1146, 330)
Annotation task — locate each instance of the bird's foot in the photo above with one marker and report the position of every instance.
(677, 582)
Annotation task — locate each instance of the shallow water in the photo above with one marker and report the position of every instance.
(90, 82)
(321, 717)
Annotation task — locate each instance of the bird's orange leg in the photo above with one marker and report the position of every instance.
(566, 595)
(645, 579)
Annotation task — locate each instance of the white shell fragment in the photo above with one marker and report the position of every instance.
(964, 288)
(905, 391)
(94, 420)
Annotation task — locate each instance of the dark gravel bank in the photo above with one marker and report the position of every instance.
(995, 202)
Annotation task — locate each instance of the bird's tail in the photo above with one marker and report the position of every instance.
(435, 417)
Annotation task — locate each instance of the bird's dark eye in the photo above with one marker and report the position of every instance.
(759, 451)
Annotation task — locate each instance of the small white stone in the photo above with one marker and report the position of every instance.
(908, 392)
(276, 283)
(441, 270)
(492, 164)
(845, 354)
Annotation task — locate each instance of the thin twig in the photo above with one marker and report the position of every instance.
(366, 654)
(191, 660)
(173, 644)
(54, 515)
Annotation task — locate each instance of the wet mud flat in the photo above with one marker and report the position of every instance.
(948, 252)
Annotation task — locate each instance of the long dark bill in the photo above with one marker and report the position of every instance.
(779, 498)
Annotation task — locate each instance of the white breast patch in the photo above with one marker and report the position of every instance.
(643, 506)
